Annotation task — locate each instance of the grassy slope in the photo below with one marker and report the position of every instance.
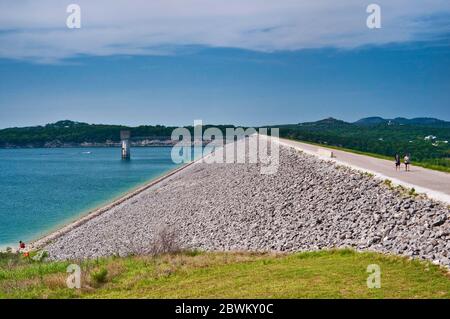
(323, 274)
(423, 164)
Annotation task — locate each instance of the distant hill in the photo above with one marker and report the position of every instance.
(422, 121)
(426, 139)
(374, 120)
(328, 122)
(70, 134)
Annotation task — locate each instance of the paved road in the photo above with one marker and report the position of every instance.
(435, 184)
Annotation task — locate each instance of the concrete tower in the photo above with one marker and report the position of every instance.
(125, 137)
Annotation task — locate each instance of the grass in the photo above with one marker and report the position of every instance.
(401, 190)
(100, 276)
(321, 274)
(425, 164)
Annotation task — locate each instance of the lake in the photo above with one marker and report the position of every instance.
(43, 189)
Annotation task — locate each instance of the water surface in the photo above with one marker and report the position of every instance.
(43, 189)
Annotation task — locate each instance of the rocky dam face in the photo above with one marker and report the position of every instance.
(308, 204)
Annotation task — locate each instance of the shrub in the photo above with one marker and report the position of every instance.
(388, 183)
(165, 242)
(192, 252)
(99, 276)
(40, 255)
(11, 259)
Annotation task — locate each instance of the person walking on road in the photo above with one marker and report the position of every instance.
(397, 162)
(406, 161)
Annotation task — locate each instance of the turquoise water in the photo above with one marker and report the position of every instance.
(42, 189)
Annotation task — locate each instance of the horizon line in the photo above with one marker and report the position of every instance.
(224, 124)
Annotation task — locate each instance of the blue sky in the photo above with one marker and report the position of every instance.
(251, 69)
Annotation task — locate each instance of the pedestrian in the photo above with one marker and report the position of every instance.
(406, 161)
(21, 245)
(397, 162)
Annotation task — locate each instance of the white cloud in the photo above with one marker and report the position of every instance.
(36, 30)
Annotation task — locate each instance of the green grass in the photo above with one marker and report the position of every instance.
(437, 165)
(322, 274)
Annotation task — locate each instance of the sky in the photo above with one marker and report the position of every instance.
(244, 62)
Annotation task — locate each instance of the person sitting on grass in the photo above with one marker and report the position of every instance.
(21, 246)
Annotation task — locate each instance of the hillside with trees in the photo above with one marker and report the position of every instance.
(426, 139)
(69, 133)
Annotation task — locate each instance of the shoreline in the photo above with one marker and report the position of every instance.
(87, 211)
(79, 146)
(94, 145)
(95, 212)
(69, 215)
